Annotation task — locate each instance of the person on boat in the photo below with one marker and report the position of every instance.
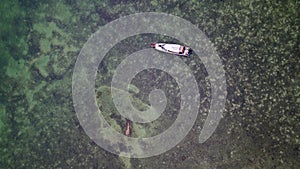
(181, 49)
(186, 52)
(161, 46)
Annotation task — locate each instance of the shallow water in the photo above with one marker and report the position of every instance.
(258, 43)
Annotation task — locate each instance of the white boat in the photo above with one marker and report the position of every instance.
(175, 49)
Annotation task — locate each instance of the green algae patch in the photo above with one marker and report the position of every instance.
(30, 94)
(13, 29)
(2, 113)
(70, 48)
(139, 130)
(45, 45)
(4, 57)
(2, 128)
(58, 10)
(41, 64)
(61, 63)
(126, 162)
(17, 69)
(61, 11)
(108, 110)
(111, 114)
(47, 30)
(132, 88)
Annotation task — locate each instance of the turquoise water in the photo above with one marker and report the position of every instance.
(257, 41)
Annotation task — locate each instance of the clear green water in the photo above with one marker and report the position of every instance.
(258, 42)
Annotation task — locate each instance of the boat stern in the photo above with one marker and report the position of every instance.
(152, 45)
